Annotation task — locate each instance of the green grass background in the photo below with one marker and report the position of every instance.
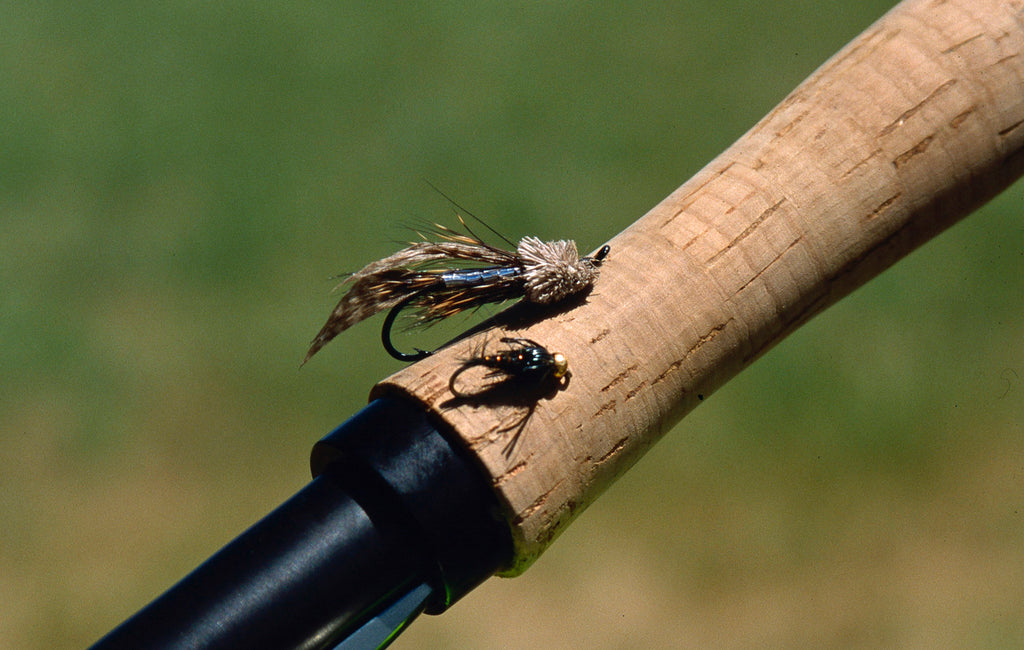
(179, 181)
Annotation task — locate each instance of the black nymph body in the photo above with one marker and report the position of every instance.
(524, 359)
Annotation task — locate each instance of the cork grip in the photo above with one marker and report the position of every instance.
(911, 126)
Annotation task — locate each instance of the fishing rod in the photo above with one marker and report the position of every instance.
(415, 500)
(396, 521)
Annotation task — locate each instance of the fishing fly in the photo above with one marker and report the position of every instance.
(525, 370)
(524, 360)
(455, 273)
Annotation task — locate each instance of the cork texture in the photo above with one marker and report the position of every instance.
(910, 127)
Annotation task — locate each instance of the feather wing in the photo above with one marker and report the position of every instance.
(415, 269)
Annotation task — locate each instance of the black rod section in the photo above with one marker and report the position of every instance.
(392, 506)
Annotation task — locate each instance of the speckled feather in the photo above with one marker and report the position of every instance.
(548, 272)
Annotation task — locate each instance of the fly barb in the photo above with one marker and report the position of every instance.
(461, 272)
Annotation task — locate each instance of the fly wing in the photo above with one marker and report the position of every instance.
(470, 248)
(415, 269)
(437, 305)
(367, 295)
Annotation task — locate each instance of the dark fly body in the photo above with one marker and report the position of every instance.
(524, 372)
(524, 359)
(458, 272)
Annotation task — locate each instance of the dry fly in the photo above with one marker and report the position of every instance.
(455, 273)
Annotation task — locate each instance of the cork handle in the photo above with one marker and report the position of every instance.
(911, 126)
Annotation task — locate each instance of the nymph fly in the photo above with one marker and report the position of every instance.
(525, 372)
(524, 360)
(438, 279)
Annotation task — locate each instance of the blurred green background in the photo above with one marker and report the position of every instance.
(179, 182)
